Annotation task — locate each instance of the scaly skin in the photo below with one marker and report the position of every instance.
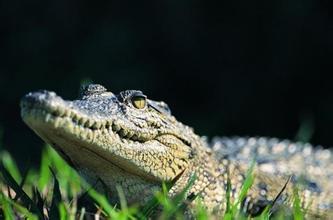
(134, 142)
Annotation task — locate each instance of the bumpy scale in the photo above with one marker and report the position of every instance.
(128, 140)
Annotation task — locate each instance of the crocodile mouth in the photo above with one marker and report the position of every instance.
(67, 127)
(53, 110)
(64, 115)
(75, 122)
(67, 132)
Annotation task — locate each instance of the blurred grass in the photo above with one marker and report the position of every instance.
(1, 137)
(56, 191)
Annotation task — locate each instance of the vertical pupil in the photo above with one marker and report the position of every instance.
(139, 102)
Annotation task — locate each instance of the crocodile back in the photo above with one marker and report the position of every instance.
(311, 166)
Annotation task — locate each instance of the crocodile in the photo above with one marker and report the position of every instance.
(131, 141)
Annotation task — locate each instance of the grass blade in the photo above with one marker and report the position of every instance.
(26, 200)
(56, 198)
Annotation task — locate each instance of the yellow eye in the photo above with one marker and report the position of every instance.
(139, 102)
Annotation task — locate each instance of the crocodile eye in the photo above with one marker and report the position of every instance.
(139, 102)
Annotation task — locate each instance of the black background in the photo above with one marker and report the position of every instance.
(224, 67)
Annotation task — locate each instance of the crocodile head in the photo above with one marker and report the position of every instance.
(120, 139)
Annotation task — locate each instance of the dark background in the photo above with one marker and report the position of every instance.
(225, 68)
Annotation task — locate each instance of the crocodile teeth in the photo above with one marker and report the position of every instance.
(129, 134)
(48, 117)
(103, 123)
(67, 113)
(117, 135)
(141, 138)
(88, 123)
(82, 121)
(122, 133)
(108, 124)
(116, 127)
(90, 135)
(71, 114)
(135, 137)
(96, 125)
(75, 118)
(57, 122)
(59, 112)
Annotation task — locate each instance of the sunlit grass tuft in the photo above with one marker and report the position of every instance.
(56, 191)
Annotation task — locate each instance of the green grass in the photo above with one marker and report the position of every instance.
(56, 191)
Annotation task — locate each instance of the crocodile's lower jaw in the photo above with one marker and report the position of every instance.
(68, 138)
(98, 166)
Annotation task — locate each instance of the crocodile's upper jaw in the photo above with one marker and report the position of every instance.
(118, 143)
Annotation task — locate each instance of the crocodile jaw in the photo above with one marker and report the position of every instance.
(107, 150)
